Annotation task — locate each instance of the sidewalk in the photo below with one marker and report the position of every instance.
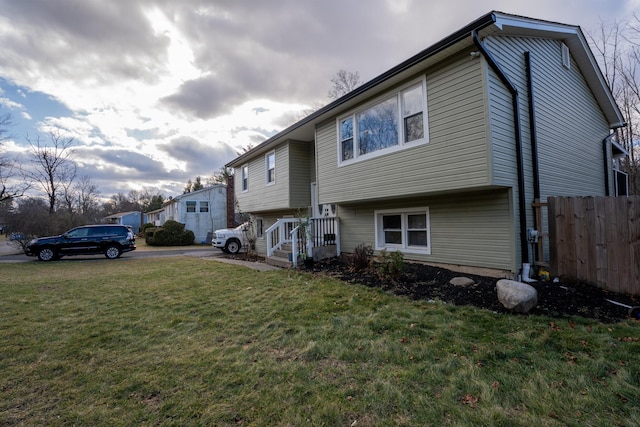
(7, 248)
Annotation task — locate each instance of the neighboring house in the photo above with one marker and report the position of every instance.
(202, 211)
(156, 217)
(133, 219)
(442, 156)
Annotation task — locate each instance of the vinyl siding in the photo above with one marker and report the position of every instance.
(300, 178)
(569, 124)
(292, 180)
(455, 157)
(470, 229)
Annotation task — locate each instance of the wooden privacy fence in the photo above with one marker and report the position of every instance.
(596, 240)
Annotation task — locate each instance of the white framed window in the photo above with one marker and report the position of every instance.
(245, 177)
(191, 206)
(388, 124)
(204, 206)
(406, 230)
(270, 159)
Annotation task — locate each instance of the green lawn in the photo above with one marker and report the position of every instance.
(184, 341)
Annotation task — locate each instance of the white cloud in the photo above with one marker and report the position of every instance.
(164, 81)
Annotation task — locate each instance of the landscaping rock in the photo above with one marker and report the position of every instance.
(516, 296)
(461, 281)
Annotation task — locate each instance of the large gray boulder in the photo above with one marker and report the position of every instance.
(517, 296)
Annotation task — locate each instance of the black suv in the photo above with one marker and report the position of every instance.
(108, 239)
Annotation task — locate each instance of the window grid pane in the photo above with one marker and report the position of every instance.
(417, 230)
(412, 101)
(204, 206)
(393, 237)
(191, 206)
(245, 178)
(346, 139)
(417, 238)
(392, 228)
(271, 167)
(378, 127)
(417, 221)
(413, 127)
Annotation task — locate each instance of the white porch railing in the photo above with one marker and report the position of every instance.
(303, 236)
(280, 233)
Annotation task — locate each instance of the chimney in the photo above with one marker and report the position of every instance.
(231, 199)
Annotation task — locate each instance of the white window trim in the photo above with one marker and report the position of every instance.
(200, 206)
(380, 245)
(402, 145)
(266, 164)
(189, 202)
(242, 169)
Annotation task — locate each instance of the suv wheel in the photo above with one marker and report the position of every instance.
(233, 246)
(47, 254)
(112, 252)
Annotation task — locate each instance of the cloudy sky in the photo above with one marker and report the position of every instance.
(156, 92)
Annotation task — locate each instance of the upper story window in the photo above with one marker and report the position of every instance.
(191, 206)
(204, 206)
(245, 177)
(271, 167)
(391, 123)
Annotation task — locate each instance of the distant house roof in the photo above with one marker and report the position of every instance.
(497, 23)
(156, 211)
(121, 214)
(182, 196)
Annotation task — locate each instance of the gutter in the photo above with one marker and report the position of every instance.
(522, 204)
(532, 127)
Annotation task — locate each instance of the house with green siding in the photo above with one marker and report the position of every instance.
(442, 156)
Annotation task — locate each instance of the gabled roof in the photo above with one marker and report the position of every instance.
(493, 23)
(122, 214)
(187, 195)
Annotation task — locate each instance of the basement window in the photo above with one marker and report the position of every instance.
(405, 230)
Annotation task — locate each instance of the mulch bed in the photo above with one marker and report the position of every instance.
(423, 282)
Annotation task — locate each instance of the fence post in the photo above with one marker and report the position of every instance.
(553, 237)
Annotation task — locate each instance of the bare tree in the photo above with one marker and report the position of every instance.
(12, 184)
(146, 200)
(86, 198)
(343, 82)
(118, 203)
(219, 177)
(29, 217)
(54, 168)
(617, 46)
